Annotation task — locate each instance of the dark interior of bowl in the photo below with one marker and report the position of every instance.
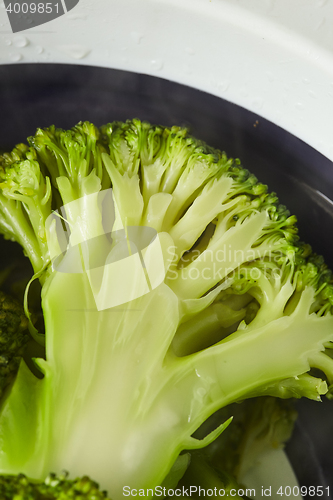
(34, 96)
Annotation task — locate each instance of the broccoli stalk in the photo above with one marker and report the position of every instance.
(125, 386)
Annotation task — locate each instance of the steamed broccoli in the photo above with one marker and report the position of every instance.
(260, 426)
(53, 488)
(13, 338)
(182, 290)
(201, 475)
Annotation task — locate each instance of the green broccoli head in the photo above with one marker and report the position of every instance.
(54, 487)
(13, 338)
(184, 291)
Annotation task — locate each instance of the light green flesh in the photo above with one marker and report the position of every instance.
(137, 405)
(116, 402)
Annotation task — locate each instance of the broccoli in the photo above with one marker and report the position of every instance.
(201, 474)
(260, 426)
(173, 284)
(13, 338)
(54, 487)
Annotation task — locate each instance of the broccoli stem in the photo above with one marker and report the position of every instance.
(150, 401)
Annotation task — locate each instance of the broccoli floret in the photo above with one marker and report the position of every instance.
(13, 338)
(173, 284)
(203, 476)
(259, 426)
(269, 426)
(54, 487)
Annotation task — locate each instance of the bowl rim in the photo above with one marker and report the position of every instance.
(260, 54)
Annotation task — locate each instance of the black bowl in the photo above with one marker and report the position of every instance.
(38, 95)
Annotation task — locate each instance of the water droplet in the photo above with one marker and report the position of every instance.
(39, 49)
(201, 392)
(156, 64)
(321, 3)
(312, 94)
(21, 41)
(258, 102)
(15, 57)
(306, 81)
(75, 51)
(299, 106)
(77, 17)
(8, 42)
(223, 86)
(189, 51)
(136, 37)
